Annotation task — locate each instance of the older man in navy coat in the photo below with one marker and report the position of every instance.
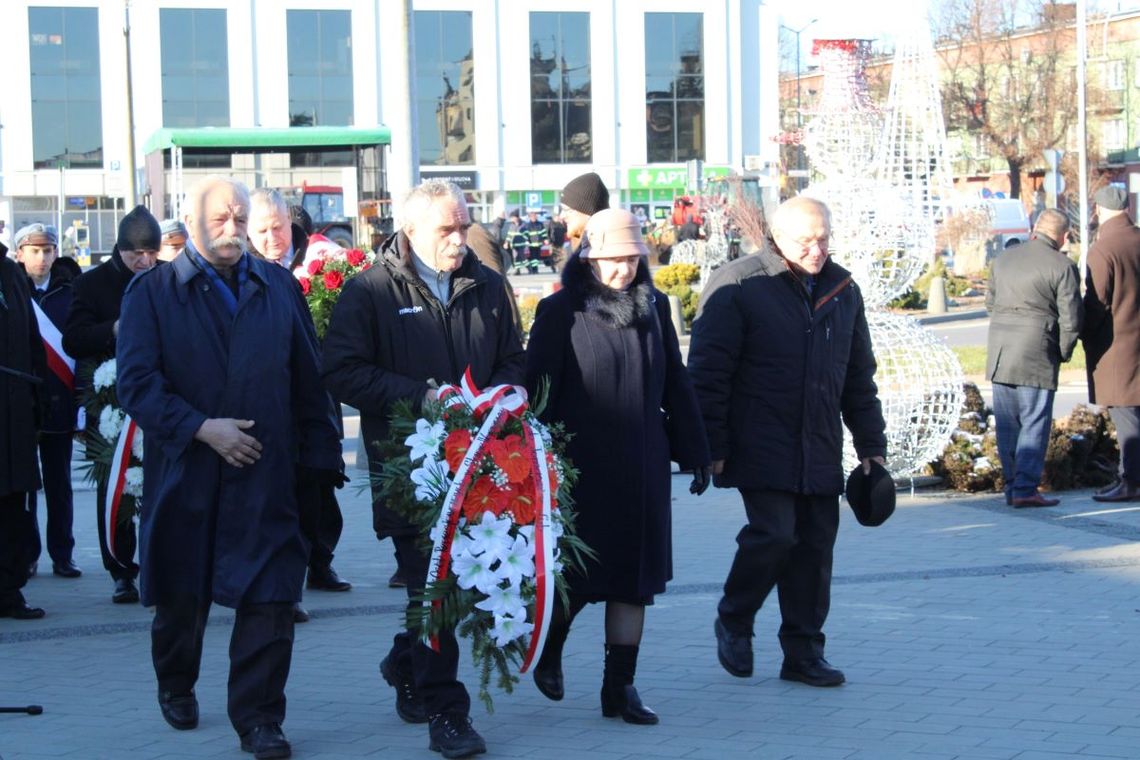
(218, 365)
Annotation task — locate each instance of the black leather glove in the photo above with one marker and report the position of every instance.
(702, 476)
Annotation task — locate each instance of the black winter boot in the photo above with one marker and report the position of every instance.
(619, 697)
(548, 670)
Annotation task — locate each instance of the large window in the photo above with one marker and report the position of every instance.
(445, 87)
(320, 68)
(67, 121)
(195, 68)
(560, 88)
(674, 87)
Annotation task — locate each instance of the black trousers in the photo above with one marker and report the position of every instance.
(55, 471)
(18, 541)
(787, 543)
(434, 673)
(261, 651)
(125, 541)
(1127, 421)
(321, 521)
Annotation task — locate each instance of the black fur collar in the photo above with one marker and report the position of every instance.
(616, 308)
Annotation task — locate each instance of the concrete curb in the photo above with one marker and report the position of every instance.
(954, 316)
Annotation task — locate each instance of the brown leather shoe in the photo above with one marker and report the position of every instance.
(1124, 491)
(1036, 500)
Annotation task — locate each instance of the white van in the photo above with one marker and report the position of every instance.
(1011, 222)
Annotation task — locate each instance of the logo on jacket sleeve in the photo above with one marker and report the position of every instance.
(410, 310)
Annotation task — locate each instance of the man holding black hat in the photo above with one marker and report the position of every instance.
(1111, 333)
(781, 359)
(50, 282)
(89, 336)
(583, 196)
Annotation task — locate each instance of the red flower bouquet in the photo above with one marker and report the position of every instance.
(322, 276)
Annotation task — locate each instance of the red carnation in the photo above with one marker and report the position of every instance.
(306, 284)
(354, 257)
(316, 266)
(333, 279)
(366, 267)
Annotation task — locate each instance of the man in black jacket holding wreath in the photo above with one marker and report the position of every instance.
(424, 312)
(781, 358)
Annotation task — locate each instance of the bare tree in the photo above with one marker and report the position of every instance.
(1007, 73)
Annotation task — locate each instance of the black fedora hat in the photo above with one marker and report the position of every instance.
(871, 496)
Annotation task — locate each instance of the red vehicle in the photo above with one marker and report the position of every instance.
(325, 206)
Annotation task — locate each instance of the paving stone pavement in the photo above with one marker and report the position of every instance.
(966, 629)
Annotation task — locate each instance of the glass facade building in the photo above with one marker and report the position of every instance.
(67, 125)
(445, 87)
(560, 88)
(674, 87)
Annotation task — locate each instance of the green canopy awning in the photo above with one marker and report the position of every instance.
(266, 139)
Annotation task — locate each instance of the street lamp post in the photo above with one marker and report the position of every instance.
(799, 114)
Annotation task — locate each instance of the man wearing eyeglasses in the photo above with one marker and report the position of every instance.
(781, 359)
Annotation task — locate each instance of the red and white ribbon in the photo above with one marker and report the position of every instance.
(117, 482)
(61, 365)
(502, 401)
(543, 549)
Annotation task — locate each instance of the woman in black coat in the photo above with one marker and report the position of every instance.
(606, 345)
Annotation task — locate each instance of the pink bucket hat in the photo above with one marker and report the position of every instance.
(613, 233)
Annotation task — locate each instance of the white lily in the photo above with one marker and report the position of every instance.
(426, 441)
(519, 562)
(503, 602)
(431, 480)
(507, 629)
(474, 571)
(491, 537)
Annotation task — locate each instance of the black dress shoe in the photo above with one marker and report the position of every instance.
(300, 614)
(409, 704)
(266, 742)
(325, 579)
(21, 611)
(179, 710)
(813, 672)
(452, 735)
(733, 650)
(549, 681)
(398, 580)
(1036, 500)
(626, 702)
(125, 592)
(1123, 491)
(66, 569)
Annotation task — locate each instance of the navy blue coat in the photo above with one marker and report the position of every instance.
(208, 529)
(778, 373)
(619, 386)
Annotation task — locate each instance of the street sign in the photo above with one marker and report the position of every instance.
(1053, 157)
(533, 201)
(1054, 183)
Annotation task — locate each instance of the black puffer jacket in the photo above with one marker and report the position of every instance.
(389, 335)
(776, 370)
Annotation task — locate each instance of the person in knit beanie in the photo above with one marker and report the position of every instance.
(582, 197)
(140, 237)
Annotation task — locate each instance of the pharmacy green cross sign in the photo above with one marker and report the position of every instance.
(660, 177)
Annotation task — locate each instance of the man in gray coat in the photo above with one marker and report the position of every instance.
(1034, 300)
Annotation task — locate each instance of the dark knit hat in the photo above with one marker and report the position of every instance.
(1112, 197)
(139, 231)
(586, 193)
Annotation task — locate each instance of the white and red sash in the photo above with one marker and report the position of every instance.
(61, 365)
